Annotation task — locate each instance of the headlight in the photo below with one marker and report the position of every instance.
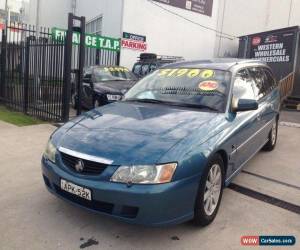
(145, 174)
(50, 152)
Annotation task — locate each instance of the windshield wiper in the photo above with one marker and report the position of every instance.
(189, 105)
(147, 100)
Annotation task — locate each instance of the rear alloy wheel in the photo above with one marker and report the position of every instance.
(270, 145)
(210, 192)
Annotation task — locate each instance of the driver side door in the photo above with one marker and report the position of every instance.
(245, 123)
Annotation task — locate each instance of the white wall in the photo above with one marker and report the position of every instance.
(53, 13)
(166, 33)
(246, 17)
(111, 10)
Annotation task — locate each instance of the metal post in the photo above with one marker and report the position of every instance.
(118, 58)
(37, 20)
(81, 64)
(26, 75)
(67, 70)
(3, 65)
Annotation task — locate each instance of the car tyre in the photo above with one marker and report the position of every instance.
(210, 190)
(272, 139)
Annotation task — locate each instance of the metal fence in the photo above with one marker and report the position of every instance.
(101, 57)
(32, 71)
(286, 86)
(31, 78)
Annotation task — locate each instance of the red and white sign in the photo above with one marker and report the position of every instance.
(2, 26)
(256, 40)
(134, 44)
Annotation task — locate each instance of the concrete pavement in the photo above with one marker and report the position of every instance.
(31, 218)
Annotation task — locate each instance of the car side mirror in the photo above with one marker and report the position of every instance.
(243, 104)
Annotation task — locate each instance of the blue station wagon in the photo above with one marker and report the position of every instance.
(164, 153)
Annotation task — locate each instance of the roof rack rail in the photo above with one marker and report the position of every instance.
(164, 57)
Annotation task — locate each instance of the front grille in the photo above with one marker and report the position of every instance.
(90, 167)
(100, 206)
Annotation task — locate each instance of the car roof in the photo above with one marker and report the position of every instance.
(216, 63)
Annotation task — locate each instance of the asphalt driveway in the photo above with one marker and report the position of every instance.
(263, 201)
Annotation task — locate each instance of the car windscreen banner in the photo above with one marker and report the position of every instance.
(276, 49)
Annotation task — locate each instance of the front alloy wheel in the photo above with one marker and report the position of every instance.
(210, 192)
(212, 189)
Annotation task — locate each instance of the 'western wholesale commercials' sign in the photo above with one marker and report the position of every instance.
(92, 41)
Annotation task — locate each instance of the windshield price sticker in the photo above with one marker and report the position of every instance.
(208, 85)
(208, 73)
(191, 73)
(115, 69)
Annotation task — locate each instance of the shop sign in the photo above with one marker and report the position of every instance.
(203, 7)
(134, 44)
(91, 40)
(136, 37)
(273, 48)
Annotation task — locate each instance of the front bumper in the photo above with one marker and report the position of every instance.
(155, 205)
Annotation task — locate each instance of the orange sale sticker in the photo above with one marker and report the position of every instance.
(208, 85)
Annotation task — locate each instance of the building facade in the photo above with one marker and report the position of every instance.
(169, 27)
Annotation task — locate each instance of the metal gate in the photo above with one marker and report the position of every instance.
(37, 71)
(31, 77)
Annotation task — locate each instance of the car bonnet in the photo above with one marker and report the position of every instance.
(131, 133)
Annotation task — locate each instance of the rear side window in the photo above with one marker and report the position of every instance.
(243, 87)
(145, 69)
(137, 69)
(153, 67)
(259, 78)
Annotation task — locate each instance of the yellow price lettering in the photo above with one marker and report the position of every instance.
(181, 72)
(164, 72)
(173, 71)
(193, 73)
(207, 73)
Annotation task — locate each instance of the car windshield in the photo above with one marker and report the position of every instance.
(190, 87)
(113, 74)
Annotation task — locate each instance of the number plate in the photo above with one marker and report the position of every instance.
(75, 189)
(114, 97)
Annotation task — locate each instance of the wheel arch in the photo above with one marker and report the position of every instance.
(224, 156)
